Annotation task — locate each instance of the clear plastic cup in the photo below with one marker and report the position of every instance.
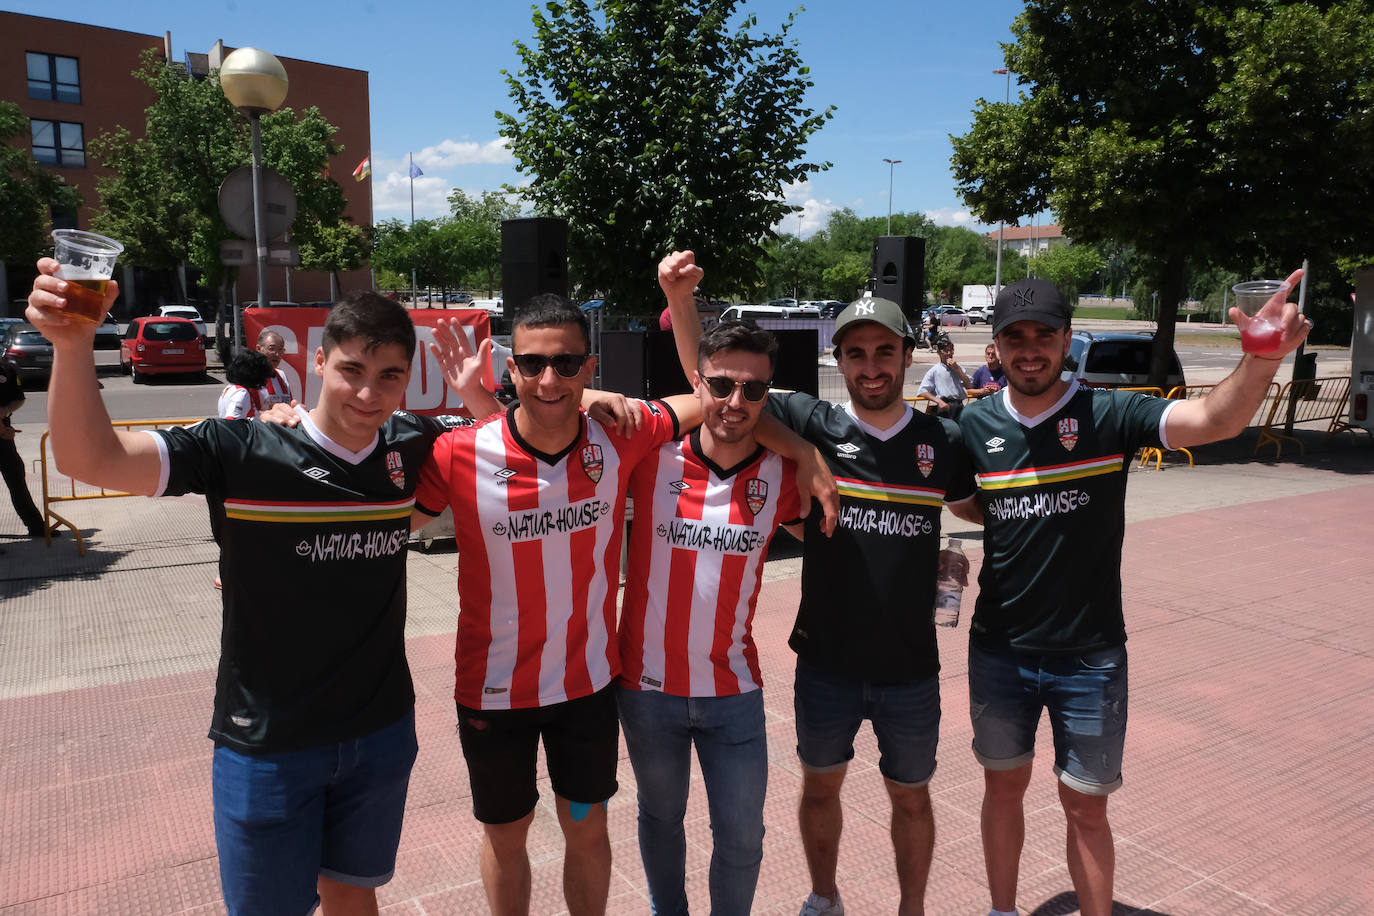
(87, 263)
(1259, 335)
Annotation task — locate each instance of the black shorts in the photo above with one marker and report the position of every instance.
(501, 747)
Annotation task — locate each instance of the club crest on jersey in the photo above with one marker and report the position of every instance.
(925, 459)
(592, 462)
(1068, 433)
(755, 494)
(396, 468)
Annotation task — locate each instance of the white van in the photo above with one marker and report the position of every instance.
(769, 312)
(494, 306)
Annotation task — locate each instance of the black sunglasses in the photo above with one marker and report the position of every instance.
(722, 387)
(532, 365)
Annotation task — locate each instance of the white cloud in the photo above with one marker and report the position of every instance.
(814, 213)
(391, 196)
(448, 153)
(952, 216)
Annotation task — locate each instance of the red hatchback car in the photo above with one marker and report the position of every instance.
(161, 346)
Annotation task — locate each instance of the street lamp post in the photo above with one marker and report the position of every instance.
(255, 83)
(891, 164)
(1001, 224)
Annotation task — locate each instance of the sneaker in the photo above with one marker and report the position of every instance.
(816, 905)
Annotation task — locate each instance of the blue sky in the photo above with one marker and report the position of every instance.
(902, 74)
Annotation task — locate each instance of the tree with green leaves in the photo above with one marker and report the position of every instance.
(1067, 267)
(482, 216)
(1199, 133)
(649, 125)
(162, 200)
(28, 194)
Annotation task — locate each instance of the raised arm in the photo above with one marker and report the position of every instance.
(813, 476)
(84, 445)
(1228, 408)
(463, 366)
(679, 276)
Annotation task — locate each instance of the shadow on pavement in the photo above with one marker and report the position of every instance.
(1344, 453)
(1067, 902)
(30, 565)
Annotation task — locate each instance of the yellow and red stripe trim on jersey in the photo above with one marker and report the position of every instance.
(1051, 473)
(255, 510)
(890, 492)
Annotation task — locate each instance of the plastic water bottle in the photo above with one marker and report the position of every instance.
(950, 578)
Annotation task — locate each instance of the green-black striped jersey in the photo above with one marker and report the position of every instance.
(868, 591)
(312, 557)
(1053, 492)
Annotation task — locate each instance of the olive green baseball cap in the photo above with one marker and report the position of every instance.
(879, 311)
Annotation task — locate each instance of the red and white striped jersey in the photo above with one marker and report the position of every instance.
(538, 555)
(239, 403)
(276, 391)
(696, 561)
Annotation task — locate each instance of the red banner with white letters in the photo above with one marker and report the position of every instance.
(302, 329)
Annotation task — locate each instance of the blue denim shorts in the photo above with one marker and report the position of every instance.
(1086, 698)
(282, 820)
(905, 716)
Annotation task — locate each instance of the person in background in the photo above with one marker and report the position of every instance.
(277, 390)
(946, 383)
(11, 465)
(988, 378)
(247, 374)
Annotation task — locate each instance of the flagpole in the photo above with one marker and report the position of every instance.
(414, 293)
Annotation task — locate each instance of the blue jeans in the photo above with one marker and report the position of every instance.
(1085, 695)
(282, 820)
(732, 749)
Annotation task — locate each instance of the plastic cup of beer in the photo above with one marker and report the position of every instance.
(86, 261)
(1259, 335)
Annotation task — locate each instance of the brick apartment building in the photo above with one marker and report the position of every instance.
(75, 82)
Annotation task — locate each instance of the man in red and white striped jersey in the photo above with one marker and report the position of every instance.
(277, 390)
(706, 507)
(538, 497)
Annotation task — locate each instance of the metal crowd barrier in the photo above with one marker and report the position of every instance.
(88, 492)
(1313, 399)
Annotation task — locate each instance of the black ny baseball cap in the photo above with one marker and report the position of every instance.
(1031, 299)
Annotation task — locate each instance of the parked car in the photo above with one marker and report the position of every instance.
(161, 346)
(31, 352)
(1116, 361)
(184, 311)
(767, 313)
(953, 318)
(495, 306)
(979, 314)
(7, 323)
(831, 308)
(107, 335)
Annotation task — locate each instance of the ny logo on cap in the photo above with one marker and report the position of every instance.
(1025, 297)
(863, 308)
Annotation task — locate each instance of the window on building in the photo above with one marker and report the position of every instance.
(59, 143)
(53, 78)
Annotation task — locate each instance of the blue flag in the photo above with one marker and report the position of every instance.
(415, 171)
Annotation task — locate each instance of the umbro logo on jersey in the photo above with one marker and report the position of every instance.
(846, 450)
(680, 485)
(505, 474)
(995, 444)
(315, 473)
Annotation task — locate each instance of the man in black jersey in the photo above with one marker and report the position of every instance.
(865, 635)
(1048, 630)
(314, 711)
